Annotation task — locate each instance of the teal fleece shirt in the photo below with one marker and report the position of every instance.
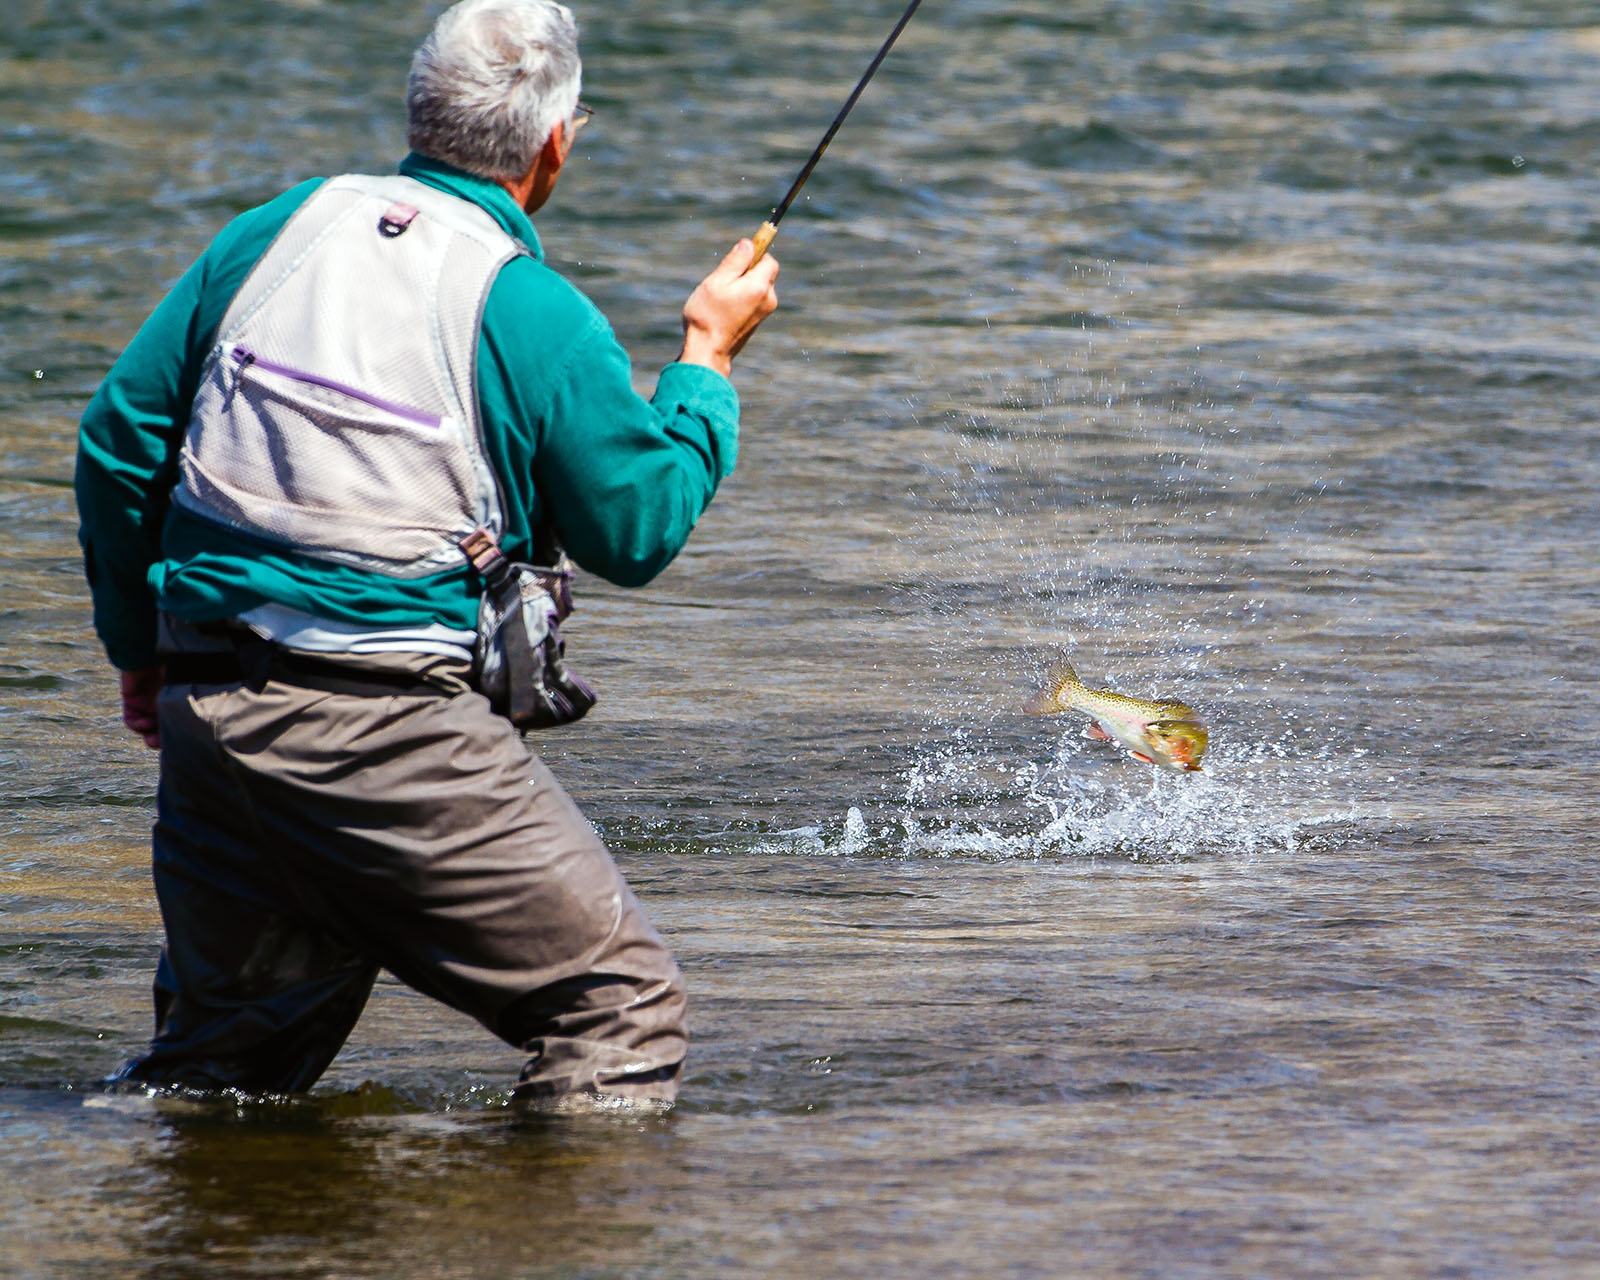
(624, 479)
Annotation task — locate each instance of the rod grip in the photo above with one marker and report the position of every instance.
(763, 241)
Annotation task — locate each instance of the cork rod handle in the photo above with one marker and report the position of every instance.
(763, 240)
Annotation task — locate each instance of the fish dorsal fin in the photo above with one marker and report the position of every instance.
(1063, 676)
(1063, 679)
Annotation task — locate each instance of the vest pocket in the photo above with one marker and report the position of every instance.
(303, 388)
(319, 464)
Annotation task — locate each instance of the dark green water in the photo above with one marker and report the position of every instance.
(1245, 350)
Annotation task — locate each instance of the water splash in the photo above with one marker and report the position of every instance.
(967, 800)
(438, 1094)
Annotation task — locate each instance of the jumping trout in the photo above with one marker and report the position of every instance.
(1161, 733)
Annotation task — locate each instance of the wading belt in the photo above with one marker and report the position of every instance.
(254, 662)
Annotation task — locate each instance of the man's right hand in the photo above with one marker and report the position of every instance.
(726, 307)
(140, 691)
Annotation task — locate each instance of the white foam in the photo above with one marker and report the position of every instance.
(962, 800)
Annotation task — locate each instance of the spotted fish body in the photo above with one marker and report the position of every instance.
(1160, 733)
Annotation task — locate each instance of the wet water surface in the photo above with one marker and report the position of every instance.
(1242, 350)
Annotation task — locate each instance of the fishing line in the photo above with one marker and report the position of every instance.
(769, 228)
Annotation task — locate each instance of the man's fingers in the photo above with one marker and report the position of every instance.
(143, 726)
(736, 265)
(764, 273)
(737, 259)
(139, 721)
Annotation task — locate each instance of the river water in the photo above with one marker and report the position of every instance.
(1242, 350)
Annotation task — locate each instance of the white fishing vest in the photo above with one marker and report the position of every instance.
(338, 413)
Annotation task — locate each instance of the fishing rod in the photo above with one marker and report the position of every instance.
(769, 228)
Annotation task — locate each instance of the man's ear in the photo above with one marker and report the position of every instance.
(555, 149)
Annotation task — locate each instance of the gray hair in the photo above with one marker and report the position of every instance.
(491, 82)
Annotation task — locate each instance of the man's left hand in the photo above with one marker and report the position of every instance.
(140, 689)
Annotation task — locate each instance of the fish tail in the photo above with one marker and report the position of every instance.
(1063, 679)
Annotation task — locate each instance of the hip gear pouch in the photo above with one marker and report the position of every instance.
(519, 662)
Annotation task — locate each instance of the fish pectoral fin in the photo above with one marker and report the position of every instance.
(1097, 734)
(1139, 755)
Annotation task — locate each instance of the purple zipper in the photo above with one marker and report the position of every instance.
(247, 357)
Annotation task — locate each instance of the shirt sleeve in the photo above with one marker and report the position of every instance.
(128, 446)
(132, 431)
(623, 478)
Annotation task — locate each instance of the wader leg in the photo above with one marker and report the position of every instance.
(246, 999)
(616, 1029)
(248, 994)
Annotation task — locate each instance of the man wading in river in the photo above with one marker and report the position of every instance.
(363, 374)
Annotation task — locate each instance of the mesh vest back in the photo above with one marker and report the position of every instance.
(337, 414)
